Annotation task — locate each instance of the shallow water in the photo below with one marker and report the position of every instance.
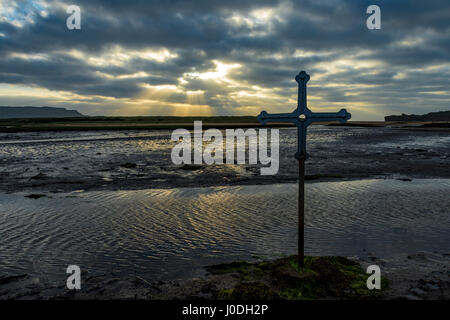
(171, 233)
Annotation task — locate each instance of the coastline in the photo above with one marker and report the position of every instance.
(97, 123)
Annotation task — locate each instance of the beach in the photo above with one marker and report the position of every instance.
(63, 161)
(142, 227)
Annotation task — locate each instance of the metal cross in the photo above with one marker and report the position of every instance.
(302, 117)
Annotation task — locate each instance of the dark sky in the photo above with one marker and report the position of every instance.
(228, 57)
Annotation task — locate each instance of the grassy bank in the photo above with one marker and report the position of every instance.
(135, 123)
(120, 123)
(169, 123)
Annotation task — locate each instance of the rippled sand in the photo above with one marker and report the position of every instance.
(68, 161)
(171, 233)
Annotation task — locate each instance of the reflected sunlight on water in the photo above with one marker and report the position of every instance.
(171, 233)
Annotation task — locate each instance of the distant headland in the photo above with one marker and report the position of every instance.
(432, 116)
(37, 112)
(20, 119)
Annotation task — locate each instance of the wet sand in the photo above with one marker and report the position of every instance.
(130, 160)
(57, 163)
(421, 276)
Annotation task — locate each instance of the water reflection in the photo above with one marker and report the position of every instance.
(171, 233)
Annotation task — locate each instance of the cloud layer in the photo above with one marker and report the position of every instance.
(225, 57)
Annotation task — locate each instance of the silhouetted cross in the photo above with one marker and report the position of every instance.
(302, 117)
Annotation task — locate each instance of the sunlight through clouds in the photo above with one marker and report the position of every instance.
(219, 74)
(227, 58)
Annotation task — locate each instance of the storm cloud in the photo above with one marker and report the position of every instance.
(225, 57)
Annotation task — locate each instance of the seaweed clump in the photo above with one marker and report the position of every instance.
(329, 277)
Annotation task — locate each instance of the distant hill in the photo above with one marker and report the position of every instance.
(37, 112)
(432, 116)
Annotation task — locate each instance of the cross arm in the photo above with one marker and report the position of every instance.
(264, 117)
(341, 116)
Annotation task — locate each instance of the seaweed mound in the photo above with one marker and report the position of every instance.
(328, 277)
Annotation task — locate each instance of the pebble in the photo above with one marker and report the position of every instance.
(418, 292)
(430, 286)
(411, 297)
(382, 262)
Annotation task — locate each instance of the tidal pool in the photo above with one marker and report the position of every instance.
(171, 233)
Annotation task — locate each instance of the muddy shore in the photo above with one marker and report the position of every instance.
(421, 276)
(130, 160)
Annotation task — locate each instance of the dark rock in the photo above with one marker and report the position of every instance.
(8, 279)
(40, 175)
(129, 165)
(35, 196)
(430, 286)
(192, 167)
(418, 292)
(209, 288)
